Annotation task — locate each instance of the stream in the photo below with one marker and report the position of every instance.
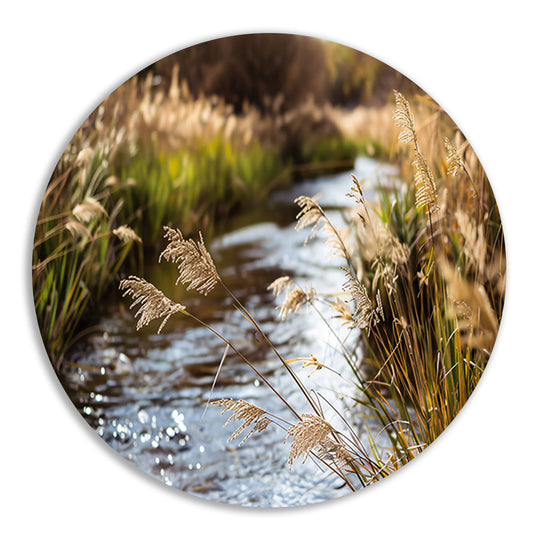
(146, 394)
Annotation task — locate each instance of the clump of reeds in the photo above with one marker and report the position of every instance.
(442, 296)
(79, 243)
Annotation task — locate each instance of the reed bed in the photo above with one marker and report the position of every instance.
(149, 156)
(424, 291)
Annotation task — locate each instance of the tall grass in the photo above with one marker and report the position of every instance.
(423, 293)
(79, 245)
(439, 265)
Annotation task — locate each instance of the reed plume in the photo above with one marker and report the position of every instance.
(311, 214)
(343, 313)
(153, 303)
(248, 412)
(404, 119)
(425, 188)
(365, 315)
(195, 265)
(456, 165)
(334, 453)
(126, 234)
(77, 230)
(88, 209)
(311, 431)
(453, 159)
(294, 300)
(279, 285)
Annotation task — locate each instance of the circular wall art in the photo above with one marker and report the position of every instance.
(269, 270)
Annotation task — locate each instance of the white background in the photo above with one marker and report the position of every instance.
(60, 59)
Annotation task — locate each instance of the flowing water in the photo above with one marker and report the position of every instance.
(145, 394)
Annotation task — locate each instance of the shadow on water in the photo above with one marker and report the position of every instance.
(145, 393)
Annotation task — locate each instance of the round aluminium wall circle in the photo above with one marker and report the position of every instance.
(279, 230)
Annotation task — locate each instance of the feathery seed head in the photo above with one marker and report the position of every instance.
(365, 314)
(454, 161)
(307, 361)
(343, 312)
(126, 234)
(294, 300)
(356, 191)
(153, 303)
(249, 413)
(425, 188)
(311, 214)
(332, 452)
(279, 285)
(84, 156)
(77, 229)
(89, 209)
(310, 432)
(195, 265)
(404, 119)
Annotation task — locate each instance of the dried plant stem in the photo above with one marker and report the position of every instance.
(296, 379)
(215, 381)
(359, 190)
(312, 214)
(245, 359)
(345, 353)
(338, 472)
